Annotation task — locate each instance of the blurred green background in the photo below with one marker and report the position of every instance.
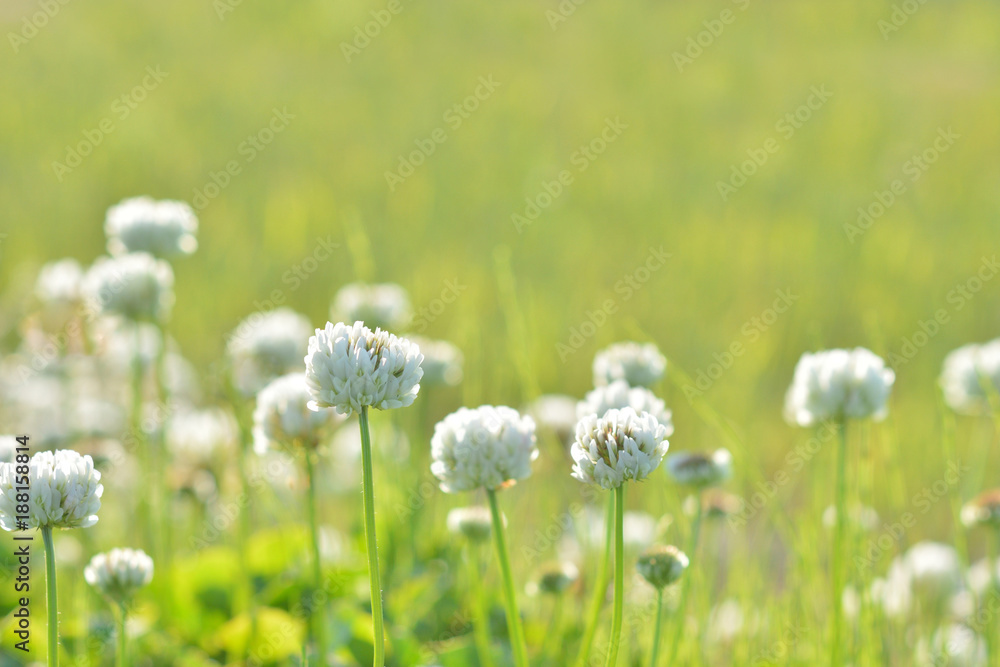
(655, 186)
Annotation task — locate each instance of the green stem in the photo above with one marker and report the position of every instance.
(550, 649)
(619, 604)
(52, 606)
(319, 609)
(600, 586)
(122, 645)
(378, 630)
(994, 591)
(513, 616)
(837, 575)
(139, 435)
(675, 641)
(480, 621)
(656, 628)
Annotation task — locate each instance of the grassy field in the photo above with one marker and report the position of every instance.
(544, 179)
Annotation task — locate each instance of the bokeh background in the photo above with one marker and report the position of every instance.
(893, 87)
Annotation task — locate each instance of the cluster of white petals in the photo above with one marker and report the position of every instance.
(352, 367)
(555, 412)
(195, 435)
(955, 645)
(163, 228)
(929, 573)
(283, 417)
(442, 364)
(638, 364)
(136, 286)
(701, 470)
(966, 374)
(382, 306)
(64, 491)
(267, 345)
(837, 384)
(618, 446)
(120, 573)
(59, 282)
(489, 447)
(619, 394)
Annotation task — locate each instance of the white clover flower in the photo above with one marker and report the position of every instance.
(554, 578)
(619, 394)
(65, 491)
(283, 416)
(59, 282)
(474, 522)
(381, 306)
(489, 447)
(195, 435)
(442, 364)
(162, 228)
(966, 373)
(267, 345)
(929, 573)
(662, 565)
(351, 367)
(618, 446)
(638, 364)
(955, 645)
(119, 574)
(837, 384)
(700, 470)
(555, 412)
(136, 286)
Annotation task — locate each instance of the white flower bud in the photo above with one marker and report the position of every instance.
(119, 574)
(966, 374)
(283, 417)
(700, 470)
(162, 228)
(136, 286)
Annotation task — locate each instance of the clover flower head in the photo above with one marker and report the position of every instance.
(195, 435)
(554, 578)
(555, 412)
(350, 367)
(59, 282)
(474, 522)
(966, 374)
(662, 565)
(619, 394)
(700, 469)
(64, 491)
(489, 446)
(638, 364)
(384, 306)
(136, 286)
(283, 417)
(119, 574)
(442, 364)
(931, 571)
(267, 345)
(164, 228)
(983, 510)
(838, 384)
(619, 446)
(862, 517)
(955, 645)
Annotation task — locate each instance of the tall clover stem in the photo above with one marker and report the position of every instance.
(654, 654)
(600, 586)
(840, 525)
(318, 601)
(121, 660)
(139, 434)
(51, 602)
(378, 629)
(675, 642)
(513, 616)
(619, 603)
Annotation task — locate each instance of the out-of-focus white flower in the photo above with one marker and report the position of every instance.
(617, 446)
(163, 228)
(59, 282)
(351, 367)
(554, 578)
(639, 529)
(267, 345)
(725, 622)
(474, 522)
(283, 418)
(862, 516)
(981, 579)
(489, 446)
(955, 645)
(662, 565)
(8, 448)
(929, 574)
(837, 384)
(619, 394)
(555, 412)
(136, 286)
(64, 491)
(195, 435)
(119, 573)
(966, 371)
(383, 306)
(442, 364)
(700, 469)
(983, 510)
(638, 364)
